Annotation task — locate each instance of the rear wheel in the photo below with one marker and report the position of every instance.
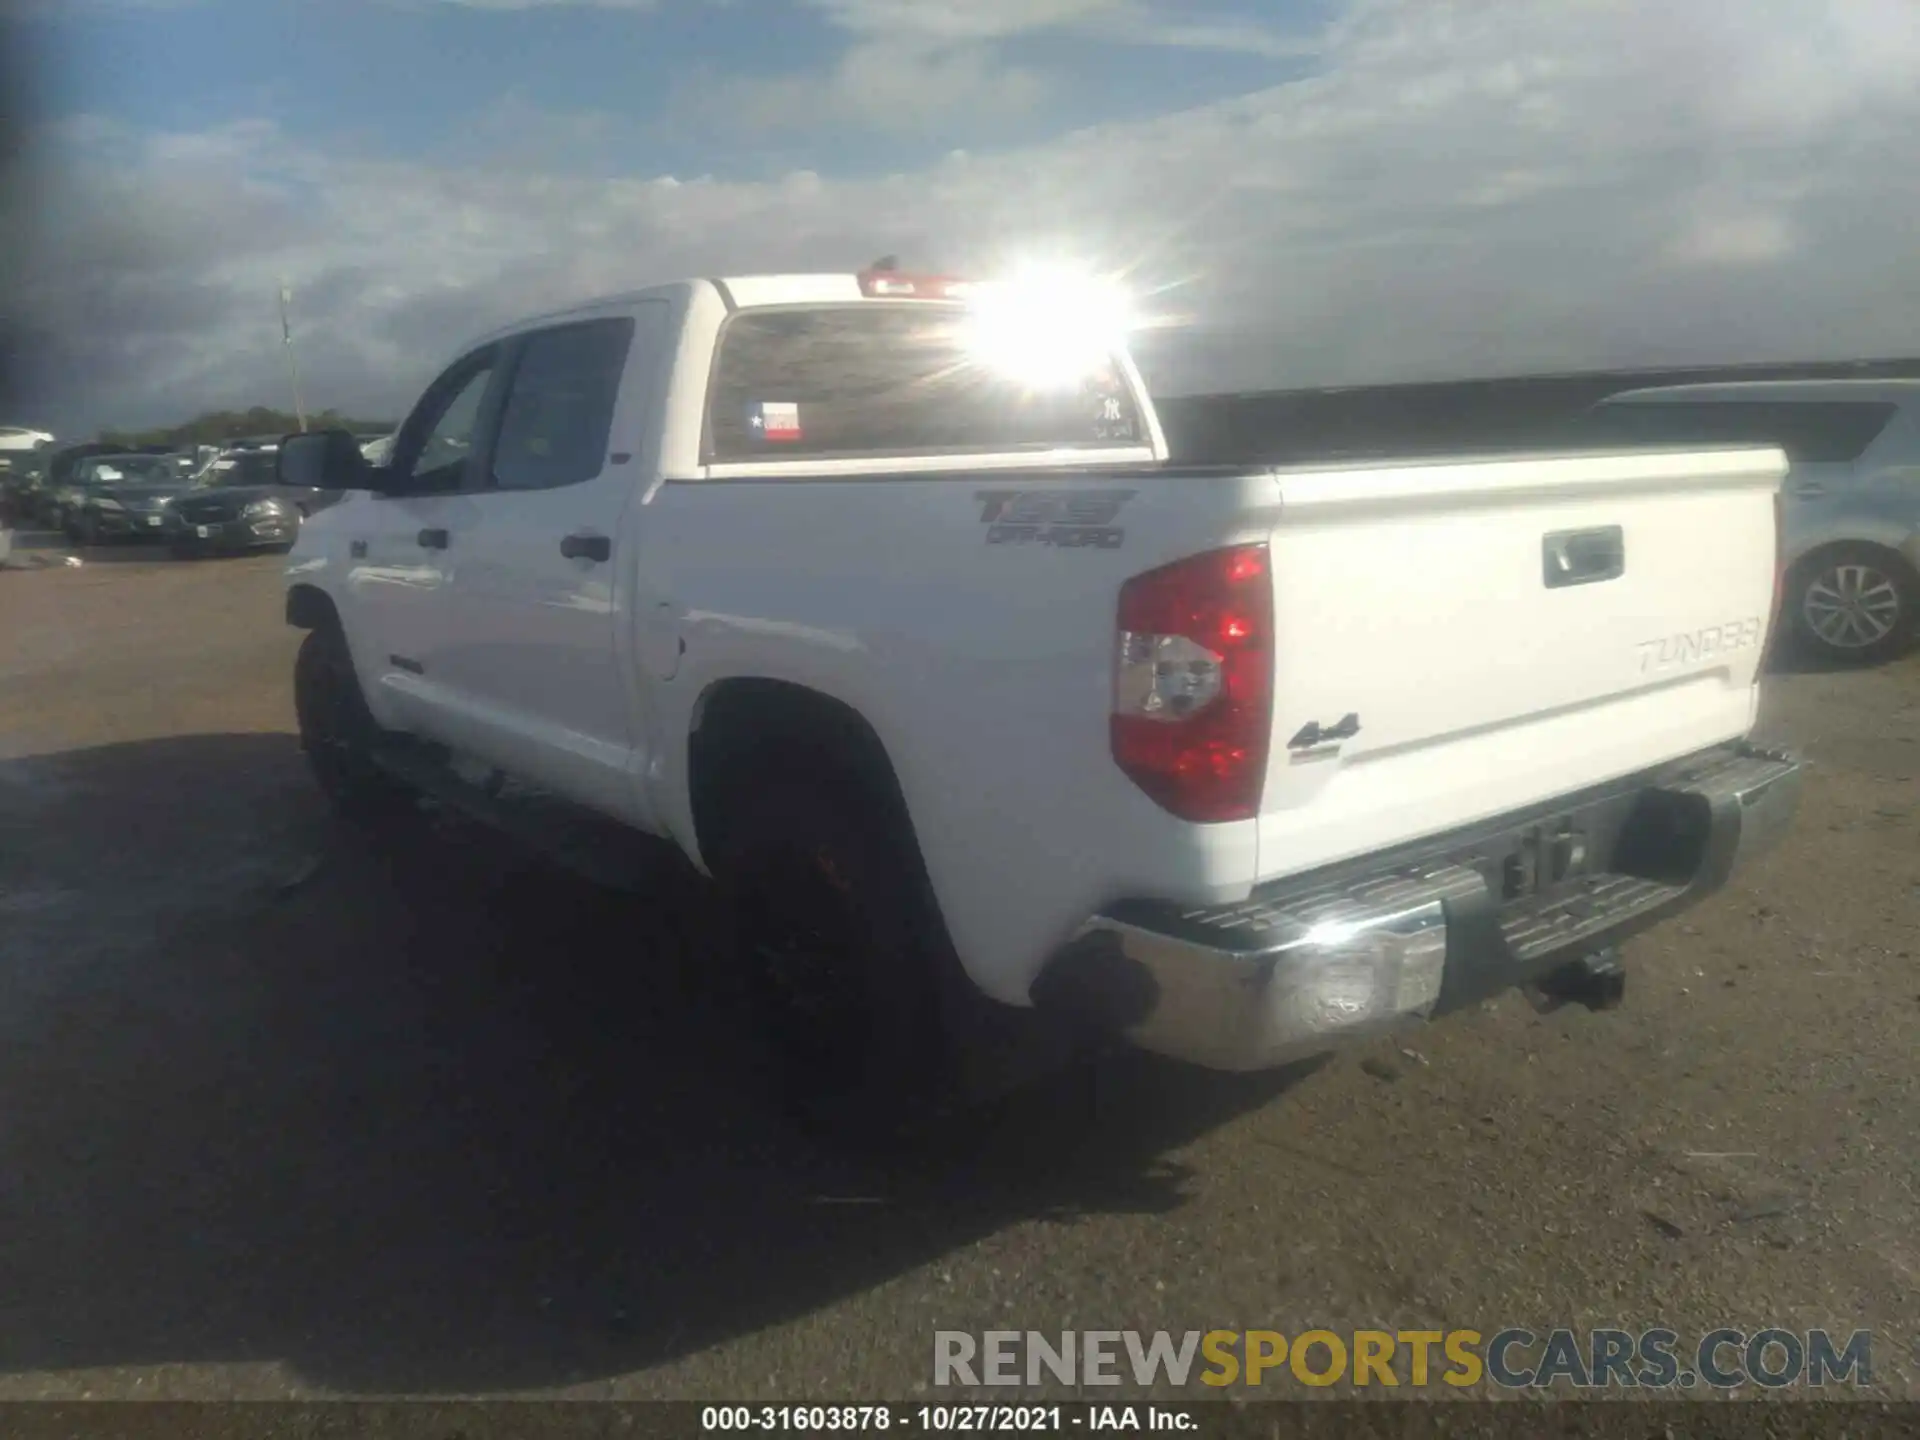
(338, 732)
(1854, 603)
(836, 942)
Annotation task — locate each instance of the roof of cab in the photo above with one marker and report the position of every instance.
(1895, 392)
(742, 291)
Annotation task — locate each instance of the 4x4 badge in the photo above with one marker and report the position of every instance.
(1311, 735)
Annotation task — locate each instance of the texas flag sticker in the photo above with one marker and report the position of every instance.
(776, 420)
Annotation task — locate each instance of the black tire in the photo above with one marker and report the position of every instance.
(838, 944)
(1839, 597)
(338, 732)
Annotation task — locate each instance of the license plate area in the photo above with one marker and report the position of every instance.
(203, 531)
(1553, 855)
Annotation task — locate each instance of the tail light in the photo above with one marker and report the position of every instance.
(1193, 683)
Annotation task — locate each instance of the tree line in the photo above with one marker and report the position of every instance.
(217, 426)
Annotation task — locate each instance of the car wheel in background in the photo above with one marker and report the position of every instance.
(1854, 603)
(338, 732)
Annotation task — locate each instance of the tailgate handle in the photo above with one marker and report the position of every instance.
(1583, 557)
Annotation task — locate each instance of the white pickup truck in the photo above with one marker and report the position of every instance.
(878, 597)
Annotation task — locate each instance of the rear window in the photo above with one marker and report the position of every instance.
(244, 467)
(1812, 432)
(865, 380)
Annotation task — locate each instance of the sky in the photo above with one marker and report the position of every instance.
(1302, 192)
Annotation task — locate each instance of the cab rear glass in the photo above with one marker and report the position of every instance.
(873, 379)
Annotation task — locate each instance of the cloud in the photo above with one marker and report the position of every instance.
(897, 87)
(1460, 187)
(944, 23)
(915, 63)
(940, 20)
(551, 4)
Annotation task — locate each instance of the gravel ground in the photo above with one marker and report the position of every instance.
(281, 1115)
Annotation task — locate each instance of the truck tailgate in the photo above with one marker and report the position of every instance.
(1453, 641)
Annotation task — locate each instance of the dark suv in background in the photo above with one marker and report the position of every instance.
(238, 503)
(121, 497)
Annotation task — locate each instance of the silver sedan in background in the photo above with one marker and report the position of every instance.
(1851, 514)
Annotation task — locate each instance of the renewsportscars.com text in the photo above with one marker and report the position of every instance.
(1513, 1358)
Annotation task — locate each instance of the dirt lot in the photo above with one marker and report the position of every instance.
(280, 1114)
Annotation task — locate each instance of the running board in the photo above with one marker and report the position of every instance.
(590, 845)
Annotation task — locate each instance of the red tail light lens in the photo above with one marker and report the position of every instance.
(1193, 683)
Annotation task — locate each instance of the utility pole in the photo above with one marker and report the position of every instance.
(293, 365)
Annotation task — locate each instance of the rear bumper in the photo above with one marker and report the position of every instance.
(1307, 964)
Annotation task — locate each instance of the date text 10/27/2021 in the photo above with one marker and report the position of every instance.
(947, 1419)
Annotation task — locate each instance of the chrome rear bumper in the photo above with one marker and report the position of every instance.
(1307, 964)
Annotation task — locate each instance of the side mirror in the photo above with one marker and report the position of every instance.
(326, 460)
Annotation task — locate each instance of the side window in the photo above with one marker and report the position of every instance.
(438, 437)
(559, 408)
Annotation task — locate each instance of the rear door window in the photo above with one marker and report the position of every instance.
(1812, 432)
(866, 380)
(559, 410)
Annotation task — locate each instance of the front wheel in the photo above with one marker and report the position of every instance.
(338, 732)
(1854, 603)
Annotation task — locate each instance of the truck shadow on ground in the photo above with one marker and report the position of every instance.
(426, 1116)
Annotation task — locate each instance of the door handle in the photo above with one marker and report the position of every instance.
(433, 539)
(1582, 557)
(1809, 489)
(587, 547)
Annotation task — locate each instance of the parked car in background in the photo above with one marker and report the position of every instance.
(71, 499)
(23, 478)
(123, 497)
(24, 456)
(238, 503)
(1850, 520)
(64, 467)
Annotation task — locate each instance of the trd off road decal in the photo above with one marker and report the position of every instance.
(1064, 519)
